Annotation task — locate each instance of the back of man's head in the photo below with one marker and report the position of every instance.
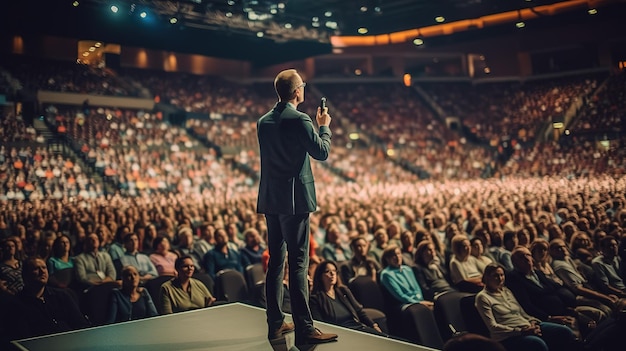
(285, 84)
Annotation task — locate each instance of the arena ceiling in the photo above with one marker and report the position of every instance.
(261, 31)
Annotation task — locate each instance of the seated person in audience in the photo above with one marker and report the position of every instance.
(116, 248)
(333, 249)
(185, 246)
(478, 251)
(222, 256)
(565, 268)
(184, 293)
(61, 258)
(361, 262)
(428, 271)
(580, 240)
(509, 324)
(509, 241)
(10, 267)
(41, 309)
(523, 237)
(149, 234)
(332, 302)
(381, 240)
(252, 252)
(539, 248)
(497, 250)
(232, 232)
(465, 270)
(399, 280)
(407, 241)
(545, 299)
(141, 261)
(607, 268)
(206, 240)
(162, 257)
(485, 239)
(94, 267)
(130, 302)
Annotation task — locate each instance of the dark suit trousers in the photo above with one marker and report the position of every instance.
(288, 233)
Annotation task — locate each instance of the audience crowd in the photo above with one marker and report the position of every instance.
(182, 209)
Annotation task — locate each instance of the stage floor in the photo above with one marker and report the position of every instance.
(226, 327)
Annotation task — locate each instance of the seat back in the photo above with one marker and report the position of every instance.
(367, 292)
(421, 326)
(254, 274)
(392, 309)
(448, 313)
(206, 279)
(230, 286)
(95, 302)
(255, 278)
(154, 289)
(62, 278)
(473, 322)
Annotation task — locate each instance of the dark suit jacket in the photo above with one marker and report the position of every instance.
(287, 138)
(321, 308)
(540, 302)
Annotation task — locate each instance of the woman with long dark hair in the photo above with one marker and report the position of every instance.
(332, 302)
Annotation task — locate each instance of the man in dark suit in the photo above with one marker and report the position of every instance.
(287, 138)
(543, 298)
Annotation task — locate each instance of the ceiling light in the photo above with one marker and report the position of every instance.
(328, 13)
(520, 24)
(592, 11)
(363, 8)
(362, 30)
(378, 10)
(439, 19)
(173, 20)
(288, 25)
(418, 41)
(231, 2)
(260, 34)
(281, 5)
(114, 8)
(331, 24)
(143, 14)
(75, 3)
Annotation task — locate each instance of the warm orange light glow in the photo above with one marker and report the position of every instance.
(18, 45)
(460, 26)
(407, 80)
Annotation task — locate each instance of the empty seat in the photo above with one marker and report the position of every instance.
(448, 313)
(154, 289)
(230, 286)
(367, 292)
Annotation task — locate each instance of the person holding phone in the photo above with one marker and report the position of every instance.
(287, 140)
